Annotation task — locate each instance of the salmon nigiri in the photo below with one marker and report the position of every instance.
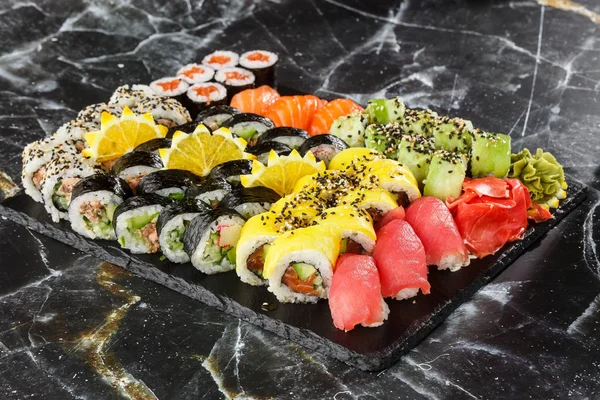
(295, 111)
(321, 122)
(255, 101)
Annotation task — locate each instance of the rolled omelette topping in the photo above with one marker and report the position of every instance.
(542, 174)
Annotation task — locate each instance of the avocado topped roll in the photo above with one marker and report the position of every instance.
(255, 239)
(250, 201)
(248, 126)
(172, 223)
(299, 264)
(211, 239)
(211, 192)
(132, 167)
(293, 137)
(214, 117)
(93, 203)
(168, 183)
(134, 221)
(231, 171)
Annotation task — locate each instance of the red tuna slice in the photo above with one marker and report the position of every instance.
(434, 225)
(396, 213)
(401, 261)
(355, 293)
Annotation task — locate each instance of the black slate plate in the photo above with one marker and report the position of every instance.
(309, 325)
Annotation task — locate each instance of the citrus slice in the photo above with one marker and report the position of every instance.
(200, 151)
(118, 136)
(282, 173)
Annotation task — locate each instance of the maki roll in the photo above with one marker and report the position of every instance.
(221, 59)
(299, 264)
(93, 203)
(211, 239)
(130, 96)
(262, 64)
(165, 111)
(152, 146)
(93, 113)
(293, 137)
(168, 183)
(231, 171)
(250, 201)
(61, 175)
(75, 130)
(262, 150)
(211, 192)
(196, 73)
(188, 127)
(132, 167)
(235, 79)
(248, 126)
(214, 117)
(324, 147)
(171, 87)
(354, 226)
(377, 202)
(255, 239)
(172, 223)
(134, 221)
(203, 95)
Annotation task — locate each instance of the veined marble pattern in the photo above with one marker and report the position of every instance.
(528, 68)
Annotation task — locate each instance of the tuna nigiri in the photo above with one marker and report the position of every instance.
(255, 101)
(401, 261)
(294, 111)
(355, 293)
(321, 122)
(396, 213)
(434, 225)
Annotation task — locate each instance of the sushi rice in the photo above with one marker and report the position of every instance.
(169, 87)
(93, 113)
(131, 235)
(165, 111)
(221, 59)
(102, 229)
(130, 96)
(170, 238)
(196, 73)
(35, 156)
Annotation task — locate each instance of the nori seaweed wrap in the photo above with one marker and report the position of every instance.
(214, 117)
(211, 192)
(231, 171)
(324, 147)
(262, 150)
(250, 201)
(169, 183)
(152, 146)
(133, 166)
(293, 137)
(248, 126)
(188, 127)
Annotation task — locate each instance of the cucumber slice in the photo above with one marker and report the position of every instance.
(351, 129)
(452, 134)
(177, 195)
(415, 152)
(122, 241)
(419, 122)
(245, 133)
(384, 138)
(212, 251)
(141, 220)
(231, 255)
(490, 154)
(110, 210)
(446, 174)
(344, 246)
(303, 270)
(382, 111)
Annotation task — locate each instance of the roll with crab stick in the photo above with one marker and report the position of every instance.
(299, 264)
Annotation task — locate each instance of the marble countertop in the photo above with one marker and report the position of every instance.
(72, 326)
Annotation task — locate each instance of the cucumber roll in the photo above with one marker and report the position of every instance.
(248, 126)
(93, 203)
(351, 129)
(130, 96)
(231, 171)
(324, 147)
(152, 146)
(415, 152)
(256, 236)
(250, 201)
(293, 137)
(262, 64)
(235, 80)
(211, 192)
(299, 264)
(446, 174)
(165, 111)
(262, 150)
(196, 73)
(383, 111)
(384, 138)
(221, 59)
(168, 183)
(134, 166)
(172, 223)
(134, 221)
(214, 117)
(419, 122)
(204, 95)
(452, 134)
(211, 239)
(490, 154)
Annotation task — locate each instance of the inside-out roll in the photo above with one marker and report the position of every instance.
(172, 222)
(93, 202)
(211, 239)
(299, 264)
(354, 226)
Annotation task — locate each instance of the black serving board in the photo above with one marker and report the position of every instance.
(309, 325)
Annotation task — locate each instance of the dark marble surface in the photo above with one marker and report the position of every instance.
(72, 327)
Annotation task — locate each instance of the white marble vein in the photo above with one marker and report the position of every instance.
(535, 69)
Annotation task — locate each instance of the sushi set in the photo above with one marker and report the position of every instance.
(352, 231)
